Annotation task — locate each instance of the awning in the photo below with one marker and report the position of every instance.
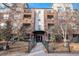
(38, 32)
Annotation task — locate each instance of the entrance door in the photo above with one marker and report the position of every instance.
(38, 38)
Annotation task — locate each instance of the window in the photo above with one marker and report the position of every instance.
(49, 10)
(27, 36)
(49, 36)
(61, 17)
(14, 26)
(17, 16)
(50, 27)
(27, 16)
(67, 9)
(60, 9)
(18, 9)
(6, 16)
(39, 12)
(39, 27)
(50, 17)
(26, 26)
(3, 25)
(39, 20)
(73, 25)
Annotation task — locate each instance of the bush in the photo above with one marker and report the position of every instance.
(53, 39)
(76, 39)
(0, 39)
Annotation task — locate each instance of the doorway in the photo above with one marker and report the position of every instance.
(38, 38)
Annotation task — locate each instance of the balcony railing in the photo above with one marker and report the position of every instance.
(27, 11)
(50, 11)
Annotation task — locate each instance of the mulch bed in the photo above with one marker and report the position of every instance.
(59, 48)
(18, 47)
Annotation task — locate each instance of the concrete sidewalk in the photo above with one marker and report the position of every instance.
(38, 50)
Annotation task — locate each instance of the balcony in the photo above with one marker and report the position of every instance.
(76, 31)
(50, 18)
(27, 16)
(27, 11)
(26, 27)
(26, 20)
(50, 27)
(50, 11)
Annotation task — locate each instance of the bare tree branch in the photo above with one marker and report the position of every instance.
(8, 6)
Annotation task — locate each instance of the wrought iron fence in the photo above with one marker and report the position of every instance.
(46, 44)
(31, 44)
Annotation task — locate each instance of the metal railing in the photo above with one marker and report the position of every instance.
(31, 44)
(46, 44)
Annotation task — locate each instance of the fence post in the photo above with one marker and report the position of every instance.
(28, 46)
(47, 45)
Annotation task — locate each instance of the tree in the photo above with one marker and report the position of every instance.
(5, 33)
(64, 24)
(10, 5)
(53, 32)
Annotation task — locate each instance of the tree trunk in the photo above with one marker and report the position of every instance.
(65, 42)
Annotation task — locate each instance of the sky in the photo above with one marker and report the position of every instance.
(39, 5)
(44, 5)
(48, 5)
(76, 5)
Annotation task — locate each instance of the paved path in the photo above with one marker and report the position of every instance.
(39, 49)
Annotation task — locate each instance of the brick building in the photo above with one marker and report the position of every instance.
(37, 23)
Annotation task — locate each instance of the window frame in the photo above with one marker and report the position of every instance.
(6, 16)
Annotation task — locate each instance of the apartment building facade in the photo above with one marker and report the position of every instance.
(36, 23)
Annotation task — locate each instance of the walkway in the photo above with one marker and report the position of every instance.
(38, 50)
